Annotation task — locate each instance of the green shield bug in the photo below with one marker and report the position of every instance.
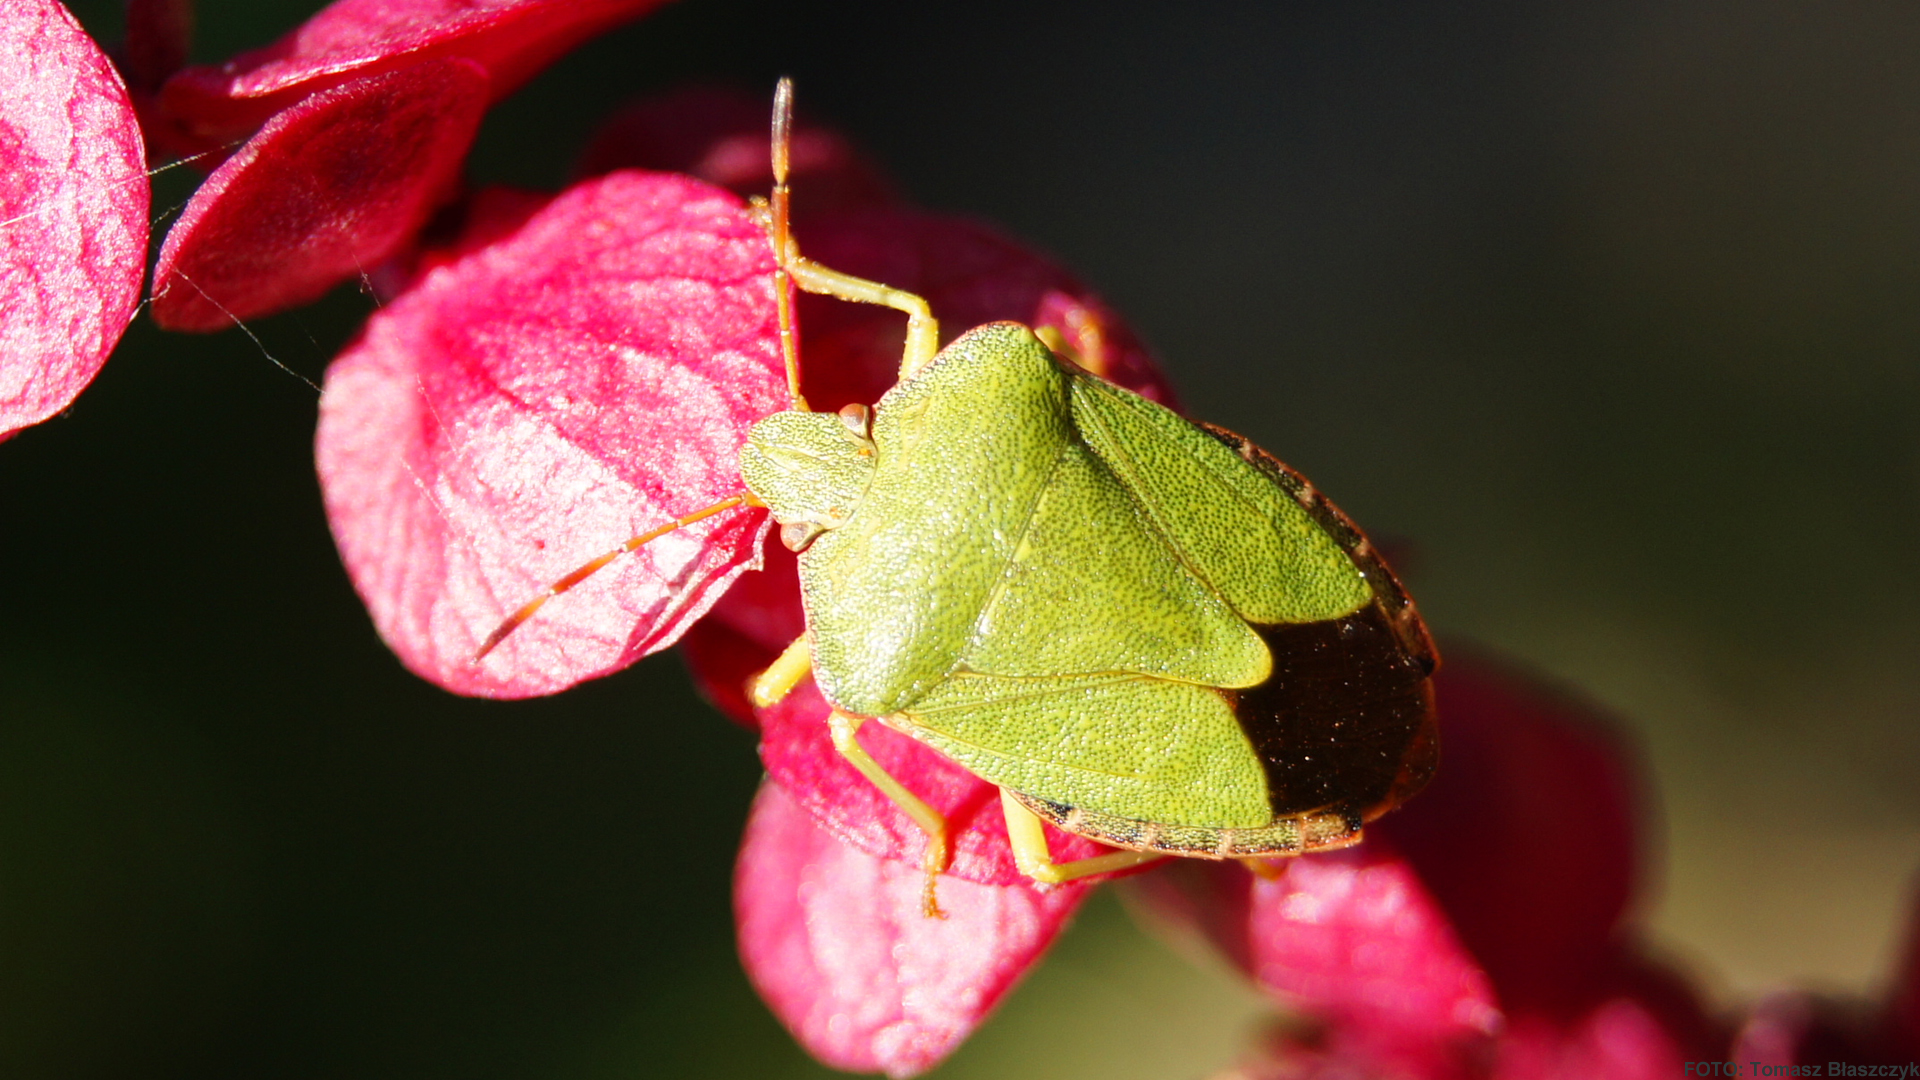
(1143, 630)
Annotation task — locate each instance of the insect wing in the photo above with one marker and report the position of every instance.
(1230, 523)
(1093, 588)
(1128, 745)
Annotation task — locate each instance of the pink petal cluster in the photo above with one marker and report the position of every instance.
(355, 125)
(531, 405)
(73, 211)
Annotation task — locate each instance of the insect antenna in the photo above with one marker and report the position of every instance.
(513, 621)
(781, 230)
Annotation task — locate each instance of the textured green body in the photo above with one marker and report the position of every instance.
(1062, 586)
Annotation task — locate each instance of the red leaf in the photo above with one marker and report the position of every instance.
(73, 211)
(800, 757)
(327, 190)
(536, 403)
(509, 39)
(1527, 834)
(836, 942)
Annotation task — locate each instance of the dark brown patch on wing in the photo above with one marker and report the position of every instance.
(1346, 721)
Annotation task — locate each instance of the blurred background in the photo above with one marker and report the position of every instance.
(1607, 311)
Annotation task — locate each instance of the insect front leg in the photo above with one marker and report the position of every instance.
(1030, 852)
(923, 332)
(843, 729)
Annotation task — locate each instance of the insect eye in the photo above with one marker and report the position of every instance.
(800, 535)
(858, 420)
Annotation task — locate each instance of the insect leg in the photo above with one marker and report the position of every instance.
(923, 331)
(930, 820)
(1030, 852)
(782, 675)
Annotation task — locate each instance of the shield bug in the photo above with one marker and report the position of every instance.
(1143, 630)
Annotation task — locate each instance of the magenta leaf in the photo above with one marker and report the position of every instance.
(73, 211)
(328, 189)
(532, 405)
(509, 39)
(836, 942)
(1355, 935)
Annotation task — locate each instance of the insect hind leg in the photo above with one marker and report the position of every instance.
(1031, 855)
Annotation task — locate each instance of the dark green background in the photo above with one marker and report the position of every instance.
(1607, 310)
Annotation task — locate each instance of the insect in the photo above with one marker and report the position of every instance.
(1143, 630)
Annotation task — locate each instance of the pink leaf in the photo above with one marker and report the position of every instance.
(509, 39)
(1354, 934)
(536, 403)
(1527, 834)
(836, 942)
(800, 757)
(326, 190)
(73, 211)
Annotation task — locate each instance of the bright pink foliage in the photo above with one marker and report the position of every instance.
(368, 110)
(73, 211)
(534, 404)
(329, 188)
(509, 39)
(836, 942)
